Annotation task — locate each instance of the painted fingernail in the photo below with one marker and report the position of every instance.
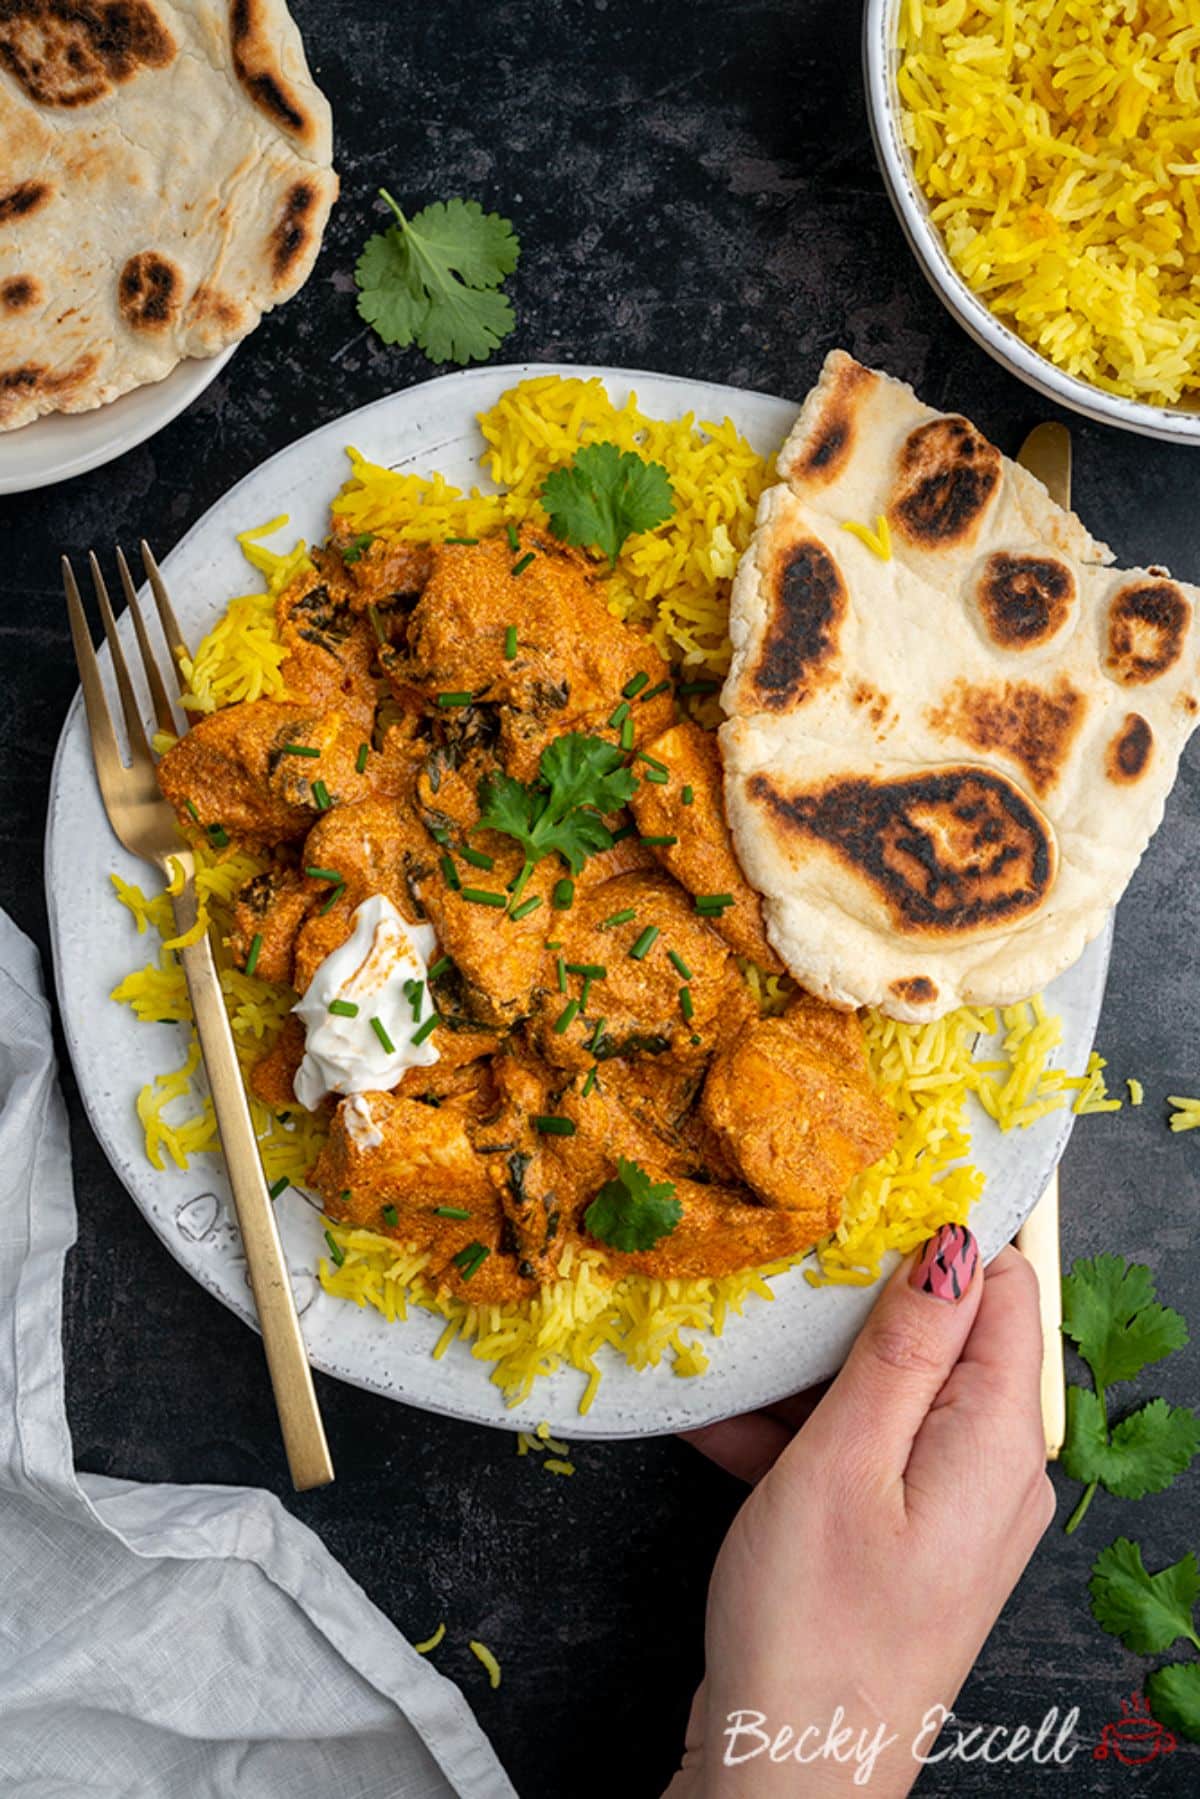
(946, 1266)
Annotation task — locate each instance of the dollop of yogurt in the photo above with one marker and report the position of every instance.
(374, 971)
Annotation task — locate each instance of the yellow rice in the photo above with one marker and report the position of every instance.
(1058, 143)
(676, 581)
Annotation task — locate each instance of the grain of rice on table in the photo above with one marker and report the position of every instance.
(675, 580)
(1058, 145)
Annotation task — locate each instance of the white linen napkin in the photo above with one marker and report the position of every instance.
(160, 1640)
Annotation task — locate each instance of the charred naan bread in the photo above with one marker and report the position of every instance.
(164, 180)
(941, 767)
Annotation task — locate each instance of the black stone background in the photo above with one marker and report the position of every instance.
(695, 191)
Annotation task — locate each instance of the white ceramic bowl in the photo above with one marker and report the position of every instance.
(880, 59)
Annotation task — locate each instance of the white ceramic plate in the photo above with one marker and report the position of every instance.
(775, 1348)
(69, 443)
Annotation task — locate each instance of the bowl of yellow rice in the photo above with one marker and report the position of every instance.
(1043, 157)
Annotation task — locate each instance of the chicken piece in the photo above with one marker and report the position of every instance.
(573, 657)
(720, 1233)
(331, 648)
(389, 575)
(376, 846)
(701, 858)
(460, 1077)
(499, 960)
(793, 1101)
(638, 998)
(271, 907)
(237, 770)
(422, 1164)
(272, 1076)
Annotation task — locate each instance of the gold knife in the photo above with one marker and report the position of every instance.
(1046, 453)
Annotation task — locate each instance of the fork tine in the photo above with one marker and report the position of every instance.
(176, 641)
(163, 713)
(105, 753)
(129, 700)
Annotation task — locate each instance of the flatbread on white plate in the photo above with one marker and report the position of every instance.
(942, 767)
(165, 179)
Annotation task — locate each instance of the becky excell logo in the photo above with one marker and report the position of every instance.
(1132, 1738)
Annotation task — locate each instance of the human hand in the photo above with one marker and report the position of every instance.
(881, 1540)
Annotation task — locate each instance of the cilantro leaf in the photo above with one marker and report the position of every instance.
(632, 1212)
(606, 495)
(1148, 1612)
(1147, 1450)
(1110, 1311)
(579, 777)
(1174, 1695)
(433, 280)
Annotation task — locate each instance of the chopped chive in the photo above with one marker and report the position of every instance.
(652, 693)
(590, 1082)
(476, 858)
(218, 836)
(639, 948)
(635, 684)
(510, 530)
(618, 715)
(334, 896)
(585, 994)
(567, 1016)
(439, 968)
(451, 1212)
(450, 872)
(685, 1003)
(561, 969)
(255, 952)
(711, 905)
(627, 734)
(335, 1249)
(651, 761)
(526, 907)
(414, 993)
(550, 1125)
(343, 1008)
(191, 806)
(698, 687)
(657, 777)
(278, 1187)
(563, 897)
(592, 971)
(687, 796)
(663, 843)
(695, 1039)
(624, 832)
(391, 1217)
(377, 1025)
(461, 698)
(674, 956)
(460, 540)
(510, 642)
(615, 918)
(320, 794)
(519, 567)
(360, 761)
(554, 945)
(324, 874)
(427, 1029)
(593, 1042)
(469, 1259)
(298, 749)
(377, 624)
(484, 896)
(439, 833)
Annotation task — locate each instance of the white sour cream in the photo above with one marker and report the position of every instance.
(369, 971)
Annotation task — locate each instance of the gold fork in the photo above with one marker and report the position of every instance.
(145, 824)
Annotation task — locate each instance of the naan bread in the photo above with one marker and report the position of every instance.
(165, 179)
(941, 769)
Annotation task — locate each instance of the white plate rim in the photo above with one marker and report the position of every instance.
(716, 1400)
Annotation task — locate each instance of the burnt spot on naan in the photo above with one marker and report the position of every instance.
(18, 384)
(831, 440)
(950, 852)
(1034, 726)
(875, 704)
(294, 230)
(1147, 626)
(209, 305)
(256, 65)
(806, 603)
(149, 291)
(19, 293)
(1024, 601)
(914, 990)
(18, 202)
(947, 478)
(74, 52)
(1128, 755)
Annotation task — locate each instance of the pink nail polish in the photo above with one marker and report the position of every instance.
(946, 1266)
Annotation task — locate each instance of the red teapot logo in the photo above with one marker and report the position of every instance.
(1135, 1736)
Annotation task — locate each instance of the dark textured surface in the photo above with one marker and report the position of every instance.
(695, 192)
